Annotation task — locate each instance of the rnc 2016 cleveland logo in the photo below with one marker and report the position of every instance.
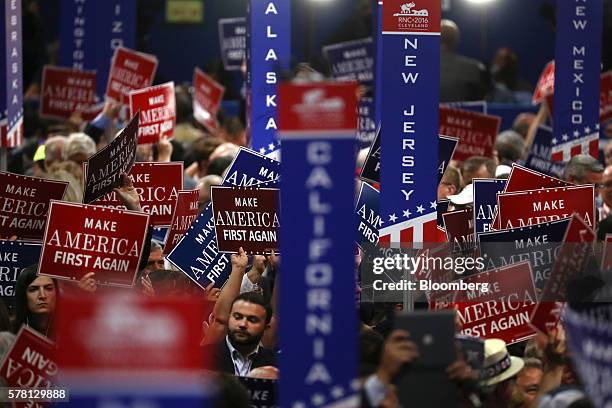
(410, 18)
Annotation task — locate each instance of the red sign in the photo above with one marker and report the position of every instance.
(29, 363)
(460, 228)
(207, 96)
(605, 100)
(103, 170)
(476, 132)
(66, 91)
(130, 333)
(157, 184)
(524, 208)
(503, 311)
(24, 202)
(84, 238)
(571, 260)
(246, 217)
(129, 70)
(411, 16)
(546, 83)
(185, 212)
(157, 112)
(317, 107)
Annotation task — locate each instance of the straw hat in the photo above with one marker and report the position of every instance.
(498, 364)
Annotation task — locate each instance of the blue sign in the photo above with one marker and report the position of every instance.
(262, 392)
(268, 53)
(538, 244)
(371, 167)
(91, 30)
(160, 234)
(577, 78)
(11, 76)
(197, 254)
(14, 256)
(589, 337)
(485, 202)
(314, 219)
(368, 217)
(352, 61)
(366, 131)
(446, 148)
(377, 30)
(232, 39)
(539, 154)
(442, 208)
(410, 92)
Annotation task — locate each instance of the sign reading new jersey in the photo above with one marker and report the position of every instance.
(24, 202)
(196, 254)
(410, 91)
(524, 208)
(157, 185)
(317, 127)
(130, 70)
(11, 76)
(185, 212)
(104, 169)
(476, 132)
(84, 238)
(577, 75)
(157, 112)
(538, 157)
(14, 256)
(67, 91)
(268, 52)
(232, 39)
(207, 96)
(91, 31)
(368, 216)
(246, 217)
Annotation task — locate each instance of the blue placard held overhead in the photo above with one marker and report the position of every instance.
(91, 30)
(232, 41)
(197, 254)
(485, 202)
(410, 92)
(14, 256)
(368, 216)
(317, 127)
(11, 76)
(577, 78)
(538, 157)
(268, 53)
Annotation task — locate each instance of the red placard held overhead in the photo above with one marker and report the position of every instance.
(29, 363)
(247, 218)
(84, 238)
(503, 311)
(524, 208)
(207, 97)
(157, 184)
(157, 112)
(129, 70)
(476, 132)
(545, 84)
(186, 210)
(24, 203)
(67, 91)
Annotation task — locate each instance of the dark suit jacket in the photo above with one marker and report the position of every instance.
(221, 359)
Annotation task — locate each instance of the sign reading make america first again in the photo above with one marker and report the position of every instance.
(410, 87)
(268, 52)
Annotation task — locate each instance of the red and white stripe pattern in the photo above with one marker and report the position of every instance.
(587, 144)
(13, 137)
(420, 229)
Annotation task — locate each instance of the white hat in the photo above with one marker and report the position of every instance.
(498, 364)
(502, 169)
(466, 196)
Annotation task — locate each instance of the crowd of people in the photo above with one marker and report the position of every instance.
(241, 333)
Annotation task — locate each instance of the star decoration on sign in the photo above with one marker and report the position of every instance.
(262, 150)
(318, 399)
(554, 140)
(392, 217)
(271, 146)
(337, 392)
(576, 133)
(298, 404)
(565, 137)
(587, 130)
(406, 213)
(597, 126)
(420, 209)
(433, 204)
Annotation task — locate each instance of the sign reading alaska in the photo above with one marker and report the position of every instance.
(411, 16)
